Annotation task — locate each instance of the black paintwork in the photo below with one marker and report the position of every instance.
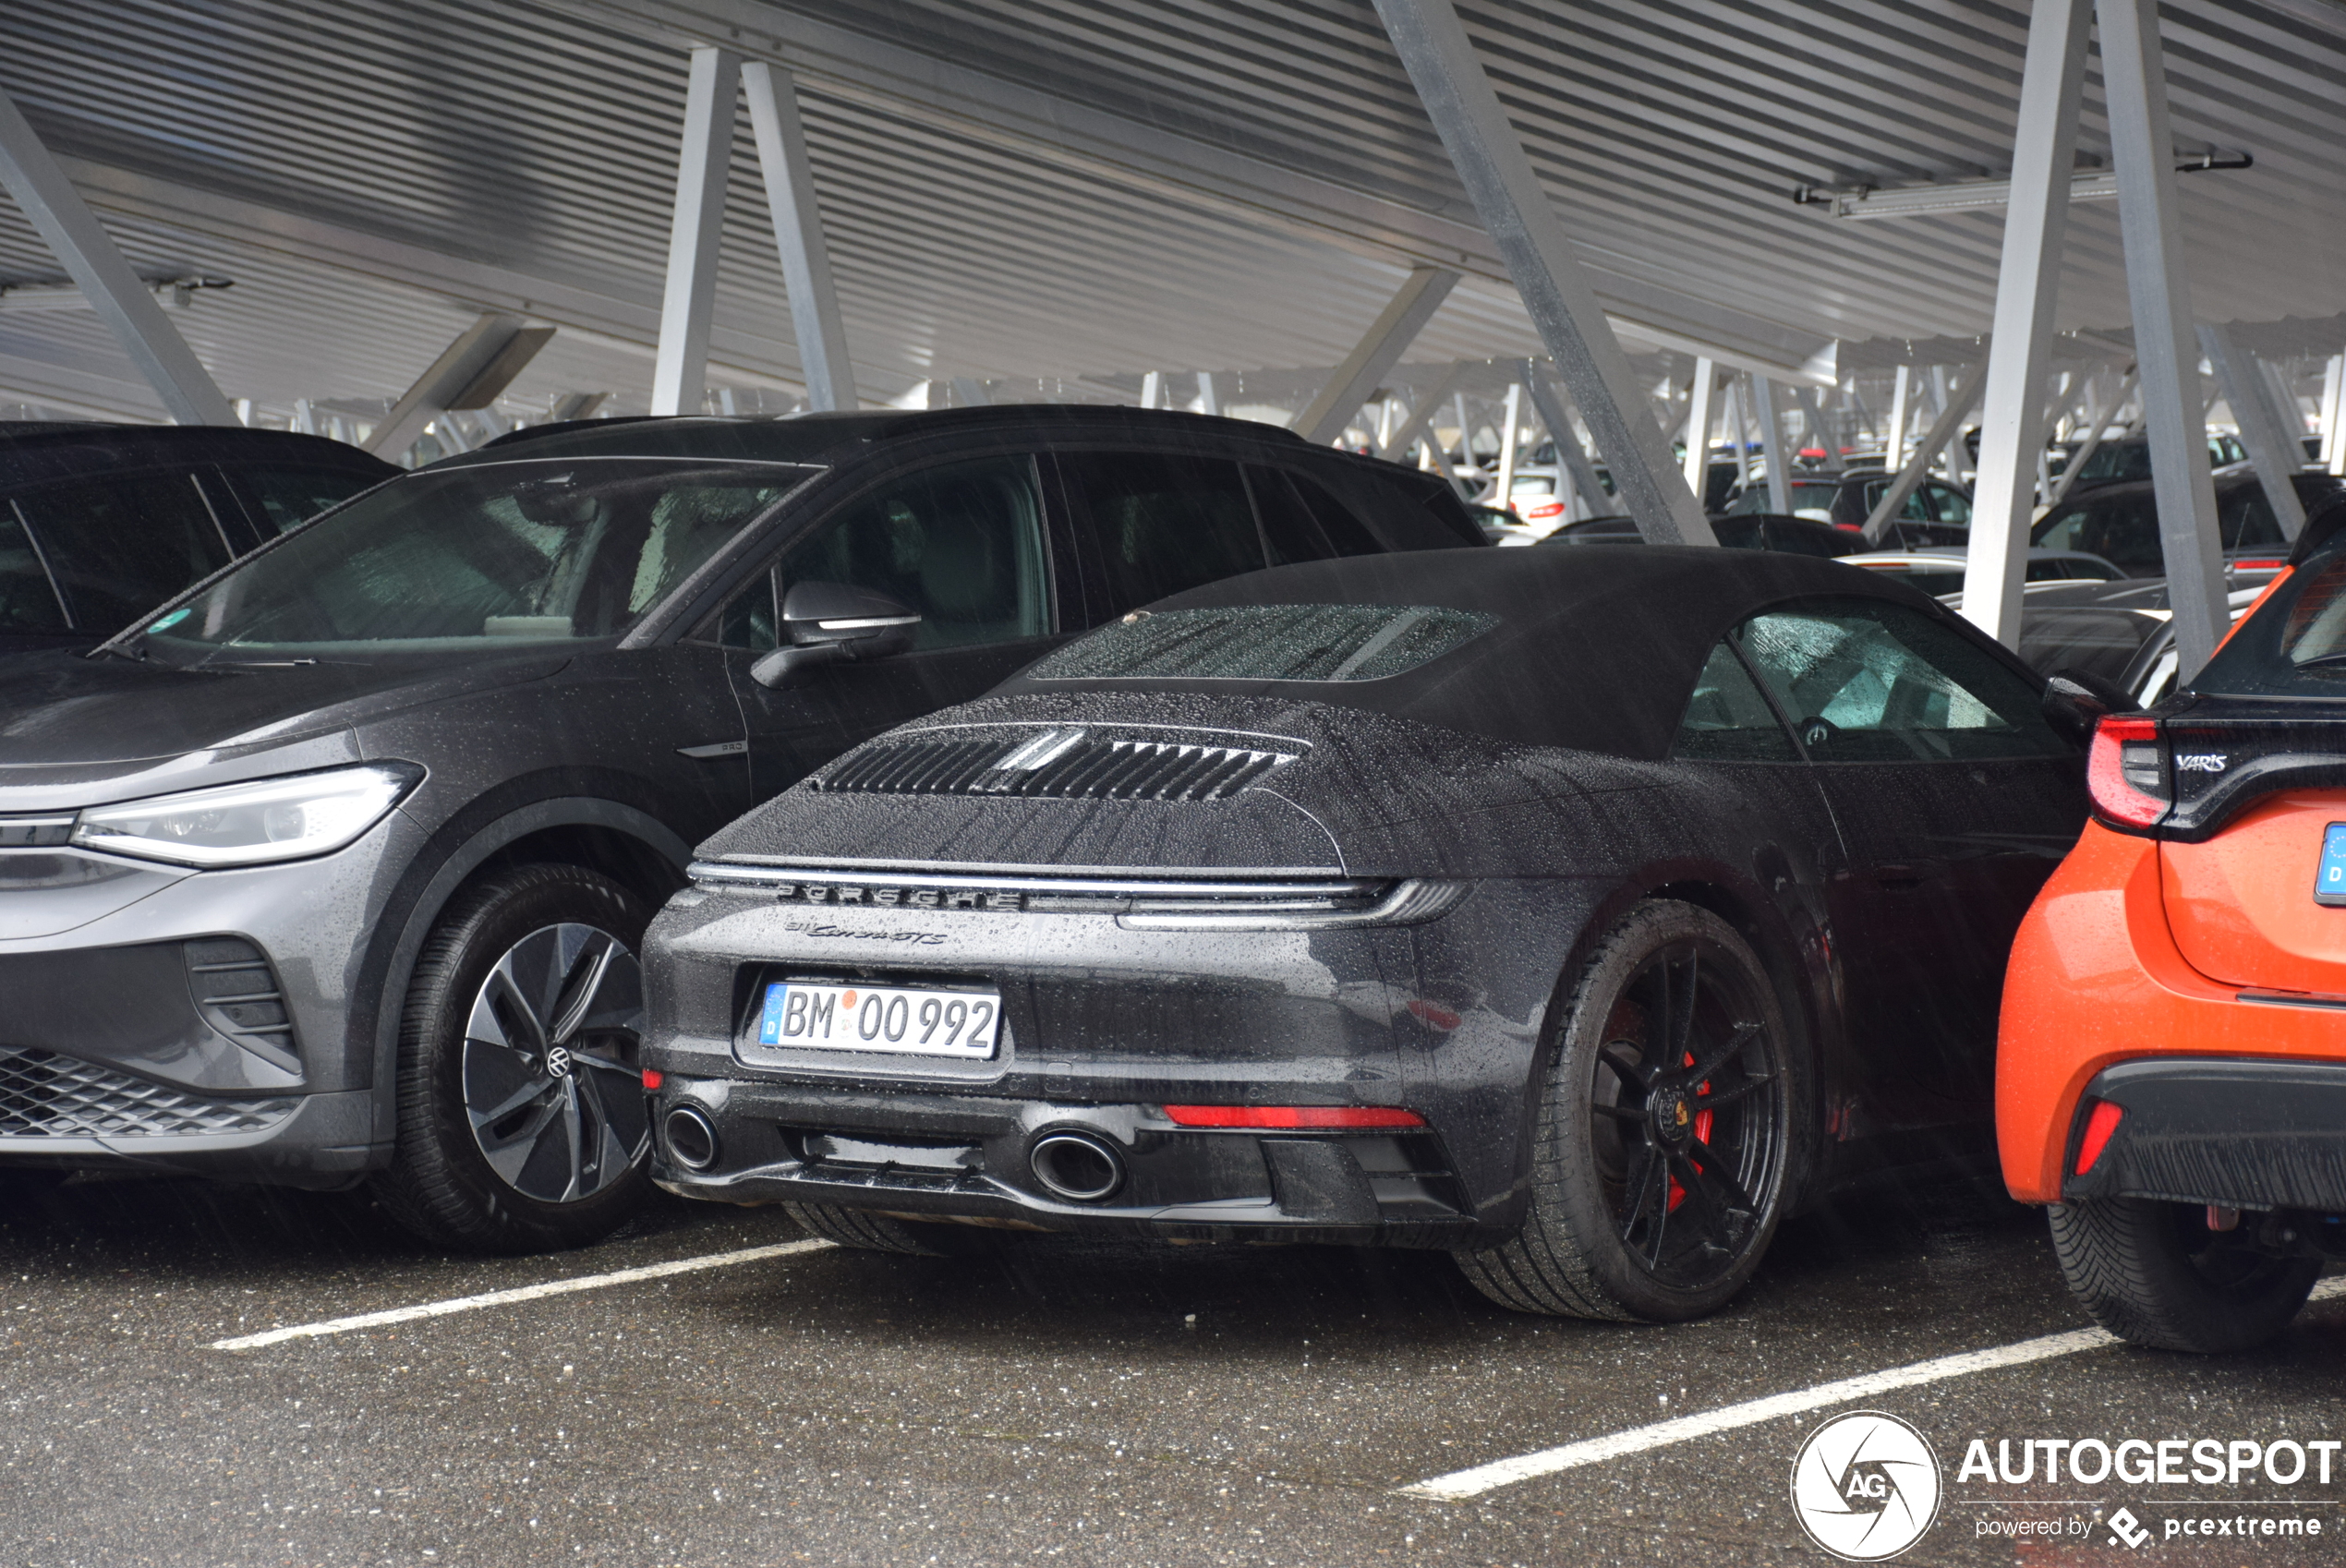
(1530, 767)
(218, 471)
(573, 751)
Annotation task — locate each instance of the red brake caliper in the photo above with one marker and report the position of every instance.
(1702, 1120)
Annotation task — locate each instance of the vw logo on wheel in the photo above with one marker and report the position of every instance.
(558, 1062)
(1866, 1486)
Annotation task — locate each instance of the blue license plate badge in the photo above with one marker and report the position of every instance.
(2329, 880)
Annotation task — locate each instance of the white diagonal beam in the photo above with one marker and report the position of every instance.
(2142, 147)
(1763, 398)
(1515, 209)
(680, 372)
(2011, 425)
(1587, 488)
(1699, 404)
(1942, 430)
(2273, 449)
(90, 258)
(1388, 337)
(798, 235)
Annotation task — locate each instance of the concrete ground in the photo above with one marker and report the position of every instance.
(1056, 1403)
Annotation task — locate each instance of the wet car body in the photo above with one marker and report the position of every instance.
(245, 1019)
(100, 522)
(1370, 916)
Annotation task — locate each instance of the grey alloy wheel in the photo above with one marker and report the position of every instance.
(553, 1102)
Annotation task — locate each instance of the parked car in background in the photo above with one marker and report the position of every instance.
(1793, 536)
(98, 523)
(1936, 514)
(2171, 1077)
(338, 869)
(2118, 630)
(1582, 913)
(1937, 569)
(2119, 523)
(2127, 459)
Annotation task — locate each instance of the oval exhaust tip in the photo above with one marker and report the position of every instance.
(692, 1138)
(1076, 1166)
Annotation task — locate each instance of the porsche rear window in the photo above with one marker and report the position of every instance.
(1274, 642)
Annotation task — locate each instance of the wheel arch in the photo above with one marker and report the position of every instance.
(621, 842)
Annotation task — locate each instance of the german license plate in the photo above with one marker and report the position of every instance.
(803, 1014)
(2329, 880)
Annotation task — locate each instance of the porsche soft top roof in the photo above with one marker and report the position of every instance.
(1597, 650)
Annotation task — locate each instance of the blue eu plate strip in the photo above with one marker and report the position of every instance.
(769, 1025)
(2329, 882)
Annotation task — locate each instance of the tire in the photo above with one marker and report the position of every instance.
(1667, 1137)
(522, 1122)
(869, 1231)
(2154, 1273)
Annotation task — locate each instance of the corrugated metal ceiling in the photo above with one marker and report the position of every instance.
(371, 173)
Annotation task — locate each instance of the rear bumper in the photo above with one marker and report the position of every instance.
(2239, 1134)
(964, 1156)
(2095, 981)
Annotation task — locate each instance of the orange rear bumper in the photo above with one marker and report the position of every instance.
(2096, 980)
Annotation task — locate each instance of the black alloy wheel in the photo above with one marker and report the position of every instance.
(522, 1121)
(2155, 1274)
(1667, 1136)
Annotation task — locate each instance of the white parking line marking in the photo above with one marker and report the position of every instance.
(523, 1293)
(1462, 1484)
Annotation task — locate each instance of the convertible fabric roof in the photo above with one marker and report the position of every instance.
(1596, 649)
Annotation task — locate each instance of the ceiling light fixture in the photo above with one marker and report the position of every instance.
(1963, 195)
(173, 293)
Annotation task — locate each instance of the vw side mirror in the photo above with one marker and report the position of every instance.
(833, 623)
(2076, 700)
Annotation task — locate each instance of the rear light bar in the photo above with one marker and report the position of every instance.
(1293, 1118)
(2099, 1124)
(1546, 509)
(2126, 772)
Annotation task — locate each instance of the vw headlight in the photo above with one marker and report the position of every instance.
(267, 819)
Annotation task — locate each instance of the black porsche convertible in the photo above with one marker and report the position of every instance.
(1581, 913)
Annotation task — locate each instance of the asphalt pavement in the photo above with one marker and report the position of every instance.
(1069, 1403)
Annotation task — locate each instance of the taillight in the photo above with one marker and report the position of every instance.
(653, 1078)
(2125, 772)
(1292, 1119)
(1851, 527)
(1547, 509)
(2102, 1122)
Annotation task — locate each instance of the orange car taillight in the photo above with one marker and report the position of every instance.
(2099, 1124)
(2126, 773)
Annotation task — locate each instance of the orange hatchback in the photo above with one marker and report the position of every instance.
(2170, 1071)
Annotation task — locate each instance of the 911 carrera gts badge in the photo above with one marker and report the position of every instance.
(2201, 762)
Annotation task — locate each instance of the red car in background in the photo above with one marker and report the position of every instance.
(2172, 1063)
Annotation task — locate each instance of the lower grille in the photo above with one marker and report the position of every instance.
(46, 1096)
(1054, 764)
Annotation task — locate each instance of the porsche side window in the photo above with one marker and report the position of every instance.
(1727, 719)
(961, 543)
(1866, 681)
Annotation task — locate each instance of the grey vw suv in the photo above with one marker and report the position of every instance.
(335, 870)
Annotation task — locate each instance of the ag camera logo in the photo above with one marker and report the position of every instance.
(1866, 1486)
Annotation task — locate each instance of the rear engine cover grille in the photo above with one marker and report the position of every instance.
(45, 1095)
(1067, 765)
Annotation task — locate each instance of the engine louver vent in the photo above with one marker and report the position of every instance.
(1056, 764)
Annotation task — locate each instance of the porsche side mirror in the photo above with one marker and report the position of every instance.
(2076, 700)
(833, 623)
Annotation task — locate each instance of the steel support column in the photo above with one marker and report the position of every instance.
(1389, 336)
(2166, 344)
(90, 257)
(2333, 450)
(470, 372)
(798, 235)
(1418, 425)
(2011, 433)
(1699, 410)
(2273, 447)
(1893, 448)
(1587, 488)
(1490, 160)
(1764, 399)
(1958, 403)
(1208, 400)
(680, 371)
